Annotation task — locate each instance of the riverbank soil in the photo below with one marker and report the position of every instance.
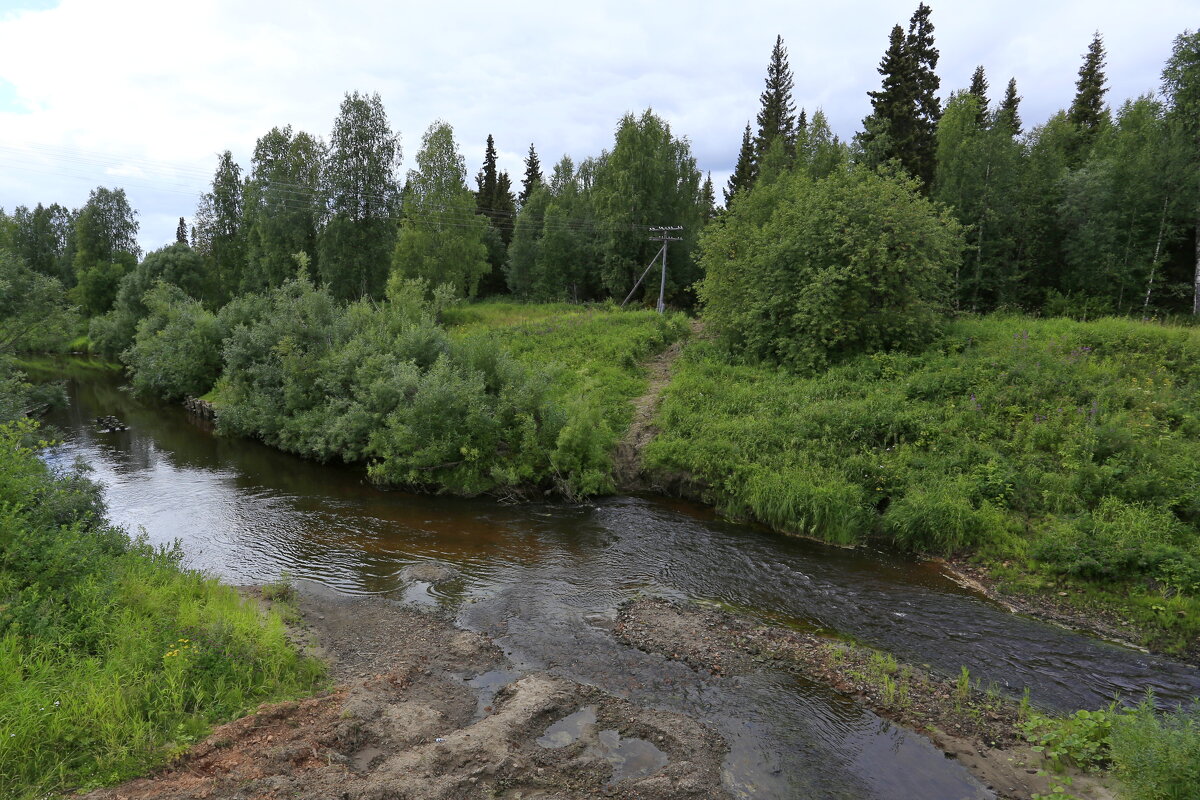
(425, 711)
(1066, 605)
(978, 729)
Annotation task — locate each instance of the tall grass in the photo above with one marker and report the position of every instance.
(1075, 446)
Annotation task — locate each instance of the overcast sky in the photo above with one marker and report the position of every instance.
(144, 94)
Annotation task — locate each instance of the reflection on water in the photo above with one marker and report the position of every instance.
(544, 580)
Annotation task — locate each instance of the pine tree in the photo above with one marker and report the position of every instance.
(1087, 112)
(979, 87)
(533, 175)
(1009, 109)
(181, 236)
(892, 119)
(743, 172)
(777, 112)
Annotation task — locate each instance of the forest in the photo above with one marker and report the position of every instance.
(958, 331)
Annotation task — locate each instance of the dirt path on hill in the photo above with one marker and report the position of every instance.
(426, 711)
(627, 459)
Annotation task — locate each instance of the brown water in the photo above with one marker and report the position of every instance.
(545, 580)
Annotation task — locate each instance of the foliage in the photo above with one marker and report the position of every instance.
(34, 312)
(176, 352)
(355, 246)
(441, 238)
(221, 227)
(777, 113)
(1080, 740)
(649, 178)
(803, 272)
(177, 264)
(282, 205)
(112, 658)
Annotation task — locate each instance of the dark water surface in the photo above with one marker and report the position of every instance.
(545, 580)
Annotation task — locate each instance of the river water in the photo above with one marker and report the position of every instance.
(544, 580)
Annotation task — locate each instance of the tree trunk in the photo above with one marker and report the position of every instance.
(1162, 228)
(1196, 293)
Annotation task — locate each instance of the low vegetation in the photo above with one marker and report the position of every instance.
(112, 658)
(1070, 448)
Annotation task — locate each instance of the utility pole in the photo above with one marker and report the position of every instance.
(663, 235)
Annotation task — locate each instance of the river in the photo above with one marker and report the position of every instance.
(544, 580)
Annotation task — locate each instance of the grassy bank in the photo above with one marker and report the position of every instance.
(594, 359)
(112, 658)
(1069, 450)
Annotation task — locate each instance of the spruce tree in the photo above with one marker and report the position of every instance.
(744, 171)
(485, 181)
(1009, 112)
(979, 87)
(777, 112)
(181, 236)
(533, 175)
(922, 58)
(1087, 111)
(892, 119)
(708, 199)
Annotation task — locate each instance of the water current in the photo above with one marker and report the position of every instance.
(544, 580)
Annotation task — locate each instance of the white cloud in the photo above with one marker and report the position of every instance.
(147, 93)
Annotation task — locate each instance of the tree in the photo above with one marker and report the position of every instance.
(283, 205)
(178, 265)
(649, 178)
(177, 349)
(520, 270)
(1087, 112)
(220, 226)
(355, 247)
(820, 152)
(1181, 88)
(181, 232)
(803, 272)
(777, 113)
(105, 243)
(441, 237)
(923, 58)
(533, 175)
(708, 200)
(495, 201)
(40, 237)
(743, 172)
(979, 87)
(905, 111)
(978, 176)
(35, 314)
(1009, 114)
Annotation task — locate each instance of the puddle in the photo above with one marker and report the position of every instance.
(630, 757)
(569, 729)
(489, 684)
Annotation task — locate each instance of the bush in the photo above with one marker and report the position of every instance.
(805, 272)
(176, 352)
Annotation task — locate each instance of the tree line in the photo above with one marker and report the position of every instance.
(1094, 211)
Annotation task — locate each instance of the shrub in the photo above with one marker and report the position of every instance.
(1157, 756)
(805, 272)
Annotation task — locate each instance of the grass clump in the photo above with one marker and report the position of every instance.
(113, 659)
(1069, 448)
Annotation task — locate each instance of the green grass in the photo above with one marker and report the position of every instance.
(1070, 448)
(113, 659)
(595, 358)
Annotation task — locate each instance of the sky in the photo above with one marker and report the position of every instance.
(144, 94)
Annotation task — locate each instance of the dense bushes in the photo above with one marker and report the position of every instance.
(1076, 445)
(803, 272)
(112, 659)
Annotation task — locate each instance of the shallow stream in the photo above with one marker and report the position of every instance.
(545, 581)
